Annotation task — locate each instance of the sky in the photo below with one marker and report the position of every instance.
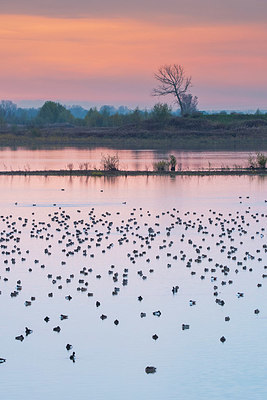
(106, 52)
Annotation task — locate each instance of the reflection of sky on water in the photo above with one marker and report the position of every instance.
(129, 159)
(151, 192)
(110, 363)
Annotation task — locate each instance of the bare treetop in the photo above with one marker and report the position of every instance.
(172, 80)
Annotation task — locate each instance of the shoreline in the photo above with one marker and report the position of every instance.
(188, 142)
(103, 173)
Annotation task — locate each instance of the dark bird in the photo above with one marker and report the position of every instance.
(28, 331)
(185, 326)
(57, 329)
(150, 370)
(20, 337)
(142, 314)
(157, 313)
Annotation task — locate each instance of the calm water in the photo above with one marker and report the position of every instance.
(98, 230)
(129, 159)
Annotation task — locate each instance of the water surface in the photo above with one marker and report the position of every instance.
(26, 159)
(100, 227)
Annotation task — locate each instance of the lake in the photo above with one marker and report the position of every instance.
(21, 158)
(189, 253)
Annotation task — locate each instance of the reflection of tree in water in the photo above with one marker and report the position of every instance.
(70, 180)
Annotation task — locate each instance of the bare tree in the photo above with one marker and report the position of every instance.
(172, 80)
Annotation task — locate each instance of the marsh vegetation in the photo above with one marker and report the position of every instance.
(160, 127)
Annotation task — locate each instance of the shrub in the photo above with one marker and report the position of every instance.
(161, 112)
(252, 162)
(70, 167)
(110, 163)
(173, 162)
(258, 161)
(179, 167)
(261, 160)
(161, 166)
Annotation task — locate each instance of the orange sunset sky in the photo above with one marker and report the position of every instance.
(95, 53)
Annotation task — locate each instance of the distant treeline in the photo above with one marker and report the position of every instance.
(55, 113)
(108, 116)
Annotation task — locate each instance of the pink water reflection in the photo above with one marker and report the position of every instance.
(146, 191)
(42, 159)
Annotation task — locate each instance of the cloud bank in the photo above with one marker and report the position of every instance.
(212, 11)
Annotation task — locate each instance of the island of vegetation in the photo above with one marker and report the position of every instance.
(110, 167)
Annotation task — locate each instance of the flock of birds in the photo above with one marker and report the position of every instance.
(152, 237)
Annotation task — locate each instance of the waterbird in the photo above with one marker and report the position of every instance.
(150, 370)
(20, 338)
(157, 313)
(57, 329)
(185, 326)
(175, 289)
(28, 331)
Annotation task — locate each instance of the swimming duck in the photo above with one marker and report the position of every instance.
(157, 313)
(20, 337)
(150, 370)
(57, 329)
(28, 331)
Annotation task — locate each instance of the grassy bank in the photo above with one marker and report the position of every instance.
(213, 132)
